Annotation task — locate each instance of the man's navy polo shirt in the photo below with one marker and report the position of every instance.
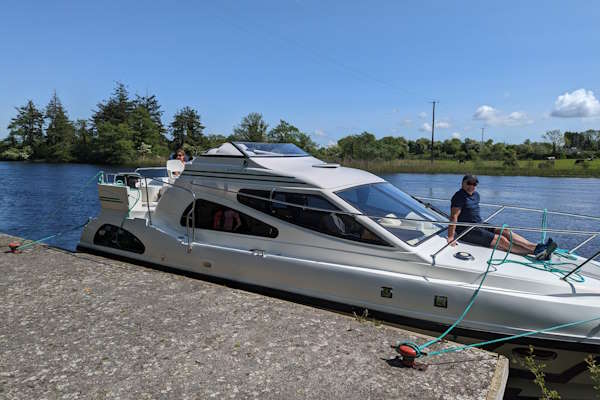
(469, 207)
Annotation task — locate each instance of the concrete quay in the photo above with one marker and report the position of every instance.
(80, 326)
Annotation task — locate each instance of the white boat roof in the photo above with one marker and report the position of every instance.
(226, 162)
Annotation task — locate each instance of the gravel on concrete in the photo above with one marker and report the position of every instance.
(74, 325)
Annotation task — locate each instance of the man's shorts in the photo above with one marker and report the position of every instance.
(478, 236)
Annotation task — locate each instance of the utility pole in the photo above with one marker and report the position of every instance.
(482, 130)
(432, 127)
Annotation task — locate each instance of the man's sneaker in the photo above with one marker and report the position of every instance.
(540, 251)
(544, 252)
(552, 246)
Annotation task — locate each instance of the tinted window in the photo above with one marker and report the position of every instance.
(118, 238)
(394, 210)
(326, 221)
(253, 149)
(213, 216)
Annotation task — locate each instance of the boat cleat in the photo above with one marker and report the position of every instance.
(408, 354)
(14, 247)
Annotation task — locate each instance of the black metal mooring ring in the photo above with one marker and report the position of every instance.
(463, 255)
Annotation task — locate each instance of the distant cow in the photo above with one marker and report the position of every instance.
(461, 161)
(551, 158)
(579, 161)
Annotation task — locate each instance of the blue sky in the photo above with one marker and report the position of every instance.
(332, 68)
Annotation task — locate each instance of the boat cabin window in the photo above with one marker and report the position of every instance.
(118, 238)
(254, 149)
(385, 203)
(309, 211)
(213, 216)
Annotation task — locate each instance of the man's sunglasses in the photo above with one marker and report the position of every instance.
(471, 183)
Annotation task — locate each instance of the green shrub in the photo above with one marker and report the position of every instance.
(537, 369)
(16, 154)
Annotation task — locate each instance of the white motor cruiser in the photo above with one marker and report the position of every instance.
(273, 216)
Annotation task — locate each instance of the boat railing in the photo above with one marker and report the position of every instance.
(190, 224)
(190, 220)
(502, 207)
(149, 171)
(470, 225)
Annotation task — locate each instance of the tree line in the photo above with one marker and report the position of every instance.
(128, 130)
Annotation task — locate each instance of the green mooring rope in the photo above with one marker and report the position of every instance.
(533, 263)
(24, 246)
(544, 224)
(490, 263)
(504, 339)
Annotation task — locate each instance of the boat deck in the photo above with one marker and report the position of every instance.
(79, 325)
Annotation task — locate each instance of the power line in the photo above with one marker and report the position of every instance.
(319, 57)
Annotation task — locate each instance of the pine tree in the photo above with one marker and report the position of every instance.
(150, 103)
(114, 144)
(252, 128)
(186, 128)
(83, 141)
(116, 109)
(60, 133)
(27, 125)
(144, 129)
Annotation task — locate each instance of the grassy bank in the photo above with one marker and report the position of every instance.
(524, 167)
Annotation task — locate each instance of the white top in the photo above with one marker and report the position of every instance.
(226, 161)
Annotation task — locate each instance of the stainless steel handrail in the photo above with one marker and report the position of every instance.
(463, 234)
(540, 210)
(150, 168)
(580, 266)
(189, 216)
(148, 200)
(582, 243)
(341, 212)
(471, 225)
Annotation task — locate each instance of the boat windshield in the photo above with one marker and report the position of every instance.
(252, 149)
(153, 172)
(385, 203)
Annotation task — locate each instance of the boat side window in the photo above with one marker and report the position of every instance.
(118, 238)
(213, 216)
(394, 210)
(310, 211)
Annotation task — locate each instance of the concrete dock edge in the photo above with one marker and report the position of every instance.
(82, 326)
(498, 383)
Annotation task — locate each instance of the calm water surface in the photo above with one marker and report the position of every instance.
(39, 200)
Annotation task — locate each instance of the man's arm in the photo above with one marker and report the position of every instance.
(454, 213)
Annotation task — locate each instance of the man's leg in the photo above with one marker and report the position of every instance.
(518, 240)
(505, 244)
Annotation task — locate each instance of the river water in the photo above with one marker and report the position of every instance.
(39, 200)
